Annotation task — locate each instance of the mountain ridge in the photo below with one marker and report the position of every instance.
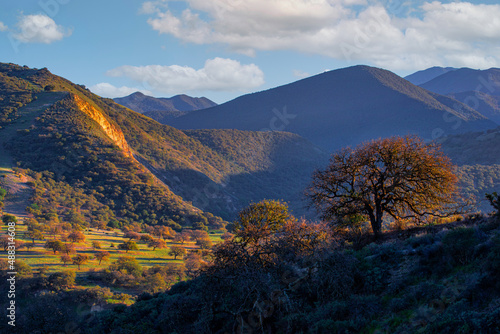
(340, 108)
(420, 77)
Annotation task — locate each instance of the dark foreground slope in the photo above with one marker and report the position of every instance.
(341, 108)
(439, 279)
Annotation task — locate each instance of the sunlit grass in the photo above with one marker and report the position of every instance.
(38, 257)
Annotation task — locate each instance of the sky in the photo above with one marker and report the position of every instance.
(222, 49)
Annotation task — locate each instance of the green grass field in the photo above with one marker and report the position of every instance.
(38, 257)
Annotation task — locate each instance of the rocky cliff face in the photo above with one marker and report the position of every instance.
(111, 130)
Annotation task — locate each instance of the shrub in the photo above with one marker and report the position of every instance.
(459, 244)
(62, 279)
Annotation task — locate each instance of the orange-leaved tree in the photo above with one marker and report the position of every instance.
(402, 177)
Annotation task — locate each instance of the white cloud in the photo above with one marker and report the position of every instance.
(3, 27)
(39, 29)
(397, 37)
(218, 74)
(108, 90)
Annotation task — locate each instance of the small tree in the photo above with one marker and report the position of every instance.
(62, 279)
(76, 236)
(157, 243)
(128, 245)
(204, 243)
(261, 220)
(54, 245)
(182, 237)
(146, 238)
(401, 177)
(176, 251)
(35, 234)
(80, 259)
(96, 245)
(9, 219)
(132, 235)
(68, 248)
(65, 258)
(5, 242)
(163, 231)
(102, 256)
(127, 264)
(199, 234)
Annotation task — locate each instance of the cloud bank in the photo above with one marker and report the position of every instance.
(105, 89)
(396, 37)
(218, 74)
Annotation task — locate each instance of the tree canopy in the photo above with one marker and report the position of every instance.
(400, 176)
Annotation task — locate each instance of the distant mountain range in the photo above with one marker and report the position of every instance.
(424, 76)
(479, 89)
(164, 109)
(342, 107)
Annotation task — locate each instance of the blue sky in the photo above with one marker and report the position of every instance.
(224, 48)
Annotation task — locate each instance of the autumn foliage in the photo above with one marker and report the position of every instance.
(400, 176)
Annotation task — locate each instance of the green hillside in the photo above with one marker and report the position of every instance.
(113, 154)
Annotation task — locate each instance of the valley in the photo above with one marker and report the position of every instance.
(149, 223)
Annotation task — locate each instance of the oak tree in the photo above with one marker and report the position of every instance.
(157, 243)
(400, 176)
(80, 259)
(54, 245)
(128, 245)
(177, 251)
(104, 255)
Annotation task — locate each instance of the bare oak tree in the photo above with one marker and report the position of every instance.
(400, 176)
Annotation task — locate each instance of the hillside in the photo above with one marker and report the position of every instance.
(72, 141)
(477, 155)
(223, 170)
(340, 108)
(421, 77)
(438, 279)
(82, 138)
(164, 109)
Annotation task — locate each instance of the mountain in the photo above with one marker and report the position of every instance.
(340, 108)
(163, 109)
(466, 80)
(420, 77)
(141, 170)
(479, 89)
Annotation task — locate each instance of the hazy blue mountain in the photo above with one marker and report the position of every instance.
(465, 80)
(342, 107)
(162, 109)
(421, 77)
